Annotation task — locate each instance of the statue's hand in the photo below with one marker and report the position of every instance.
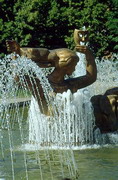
(86, 50)
(82, 49)
(12, 46)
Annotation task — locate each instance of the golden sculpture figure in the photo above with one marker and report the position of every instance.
(64, 60)
(106, 110)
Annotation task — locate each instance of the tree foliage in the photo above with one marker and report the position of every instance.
(44, 23)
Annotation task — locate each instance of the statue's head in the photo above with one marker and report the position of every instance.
(80, 37)
(67, 61)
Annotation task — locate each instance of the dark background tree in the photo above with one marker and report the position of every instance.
(44, 23)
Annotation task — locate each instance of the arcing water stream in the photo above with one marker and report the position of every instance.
(48, 139)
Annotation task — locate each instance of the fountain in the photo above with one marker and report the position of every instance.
(38, 146)
(16, 128)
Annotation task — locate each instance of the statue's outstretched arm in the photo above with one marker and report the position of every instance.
(38, 55)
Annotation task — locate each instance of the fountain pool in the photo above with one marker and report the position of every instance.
(51, 148)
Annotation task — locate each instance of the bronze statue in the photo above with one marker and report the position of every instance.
(64, 60)
(106, 110)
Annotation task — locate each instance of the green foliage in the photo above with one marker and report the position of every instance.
(112, 25)
(44, 23)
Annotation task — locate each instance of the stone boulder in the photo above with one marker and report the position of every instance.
(106, 110)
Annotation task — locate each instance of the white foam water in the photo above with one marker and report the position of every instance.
(42, 129)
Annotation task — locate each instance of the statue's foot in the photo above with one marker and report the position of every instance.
(13, 46)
